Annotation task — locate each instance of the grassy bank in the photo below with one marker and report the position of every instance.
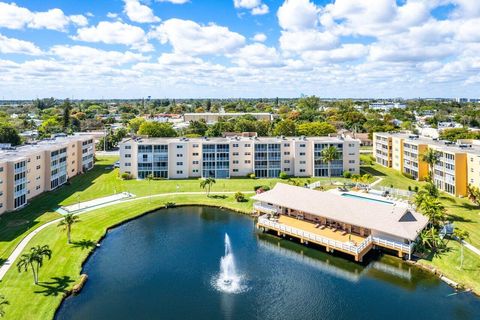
(29, 301)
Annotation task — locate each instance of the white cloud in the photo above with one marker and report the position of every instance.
(11, 45)
(307, 40)
(297, 15)
(115, 33)
(189, 37)
(257, 55)
(346, 52)
(112, 15)
(15, 17)
(175, 59)
(257, 7)
(87, 55)
(174, 1)
(259, 37)
(138, 12)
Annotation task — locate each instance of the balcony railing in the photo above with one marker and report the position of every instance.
(265, 208)
(315, 237)
(393, 245)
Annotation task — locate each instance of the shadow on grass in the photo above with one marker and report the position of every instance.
(84, 244)
(57, 286)
(218, 196)
(469, 206)
(457, 218)
(371, 171)
(46, 202)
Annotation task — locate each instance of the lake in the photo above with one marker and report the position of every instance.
(164, 266)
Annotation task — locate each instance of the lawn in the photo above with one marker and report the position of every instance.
(103, 181)
(29, 301)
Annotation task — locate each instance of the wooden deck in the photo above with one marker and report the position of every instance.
(328, 233)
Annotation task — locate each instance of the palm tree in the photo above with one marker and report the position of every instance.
(3, 302)
(67, 222)
(207, 184)
(461, 235)
(430, 239)
(431, 157)
(433, 209)
(34, 260)
(329, 155)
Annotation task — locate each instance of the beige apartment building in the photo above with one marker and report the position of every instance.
(212, 117)
(180, 158)
(458, 166)
(27, 171)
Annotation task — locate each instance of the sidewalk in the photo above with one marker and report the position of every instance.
(21, 246)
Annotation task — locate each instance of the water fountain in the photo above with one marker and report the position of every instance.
(228, 280)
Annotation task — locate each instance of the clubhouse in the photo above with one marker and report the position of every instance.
(352, 223)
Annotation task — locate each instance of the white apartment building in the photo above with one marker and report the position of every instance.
(180, 158)
(27, 171)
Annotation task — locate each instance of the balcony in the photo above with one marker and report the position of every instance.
(265, 208)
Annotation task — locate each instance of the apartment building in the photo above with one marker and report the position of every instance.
(180, 158)
(27, 171)
(458, 165)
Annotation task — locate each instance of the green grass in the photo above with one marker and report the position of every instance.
(29, 301)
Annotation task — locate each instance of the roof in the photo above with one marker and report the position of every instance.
(392, 219)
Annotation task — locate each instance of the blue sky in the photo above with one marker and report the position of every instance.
(239, 48)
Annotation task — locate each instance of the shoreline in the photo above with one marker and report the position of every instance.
(83, 277)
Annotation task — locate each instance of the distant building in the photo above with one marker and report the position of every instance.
(386, 106)
(209, 117)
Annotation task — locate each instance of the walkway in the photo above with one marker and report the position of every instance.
(21, 246)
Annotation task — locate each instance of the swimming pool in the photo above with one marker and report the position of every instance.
(349, 195)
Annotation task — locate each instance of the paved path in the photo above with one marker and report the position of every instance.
(374, 183)
(471, 248)
(21, 246)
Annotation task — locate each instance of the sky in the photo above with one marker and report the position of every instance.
(239, 48)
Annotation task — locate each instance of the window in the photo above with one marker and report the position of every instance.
(235, 153)
(351, 145)
(248, 153)
(128, 147)
(302, 153)
(351, 161)
(38, 157)
(179, 172)
(286, 161)
(195, 162)
(179, 147)
(235, 161)
(302, 145)
(286, 169)
(247, 145)
(38, 167)
(195, 170)
(235, 145)
(286, 144)
(127, 164)
(1, 193)
(303, 162)
(195, 154)
(1, 205)
(1, 169)
(286, 153)
(180, 163)
(179, 155)
(302, 170)
(248, 161)
(128, 155)
(195, 145)
(351, 169)
(37, 187)
(235, 170)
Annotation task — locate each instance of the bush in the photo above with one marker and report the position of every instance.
(240, 197)
(283, 175)
(126, 176)
(347, 174)
(407, 175)
(409, 188)
(251, 175)
(416, 188)
(170, 204)
(264, 188)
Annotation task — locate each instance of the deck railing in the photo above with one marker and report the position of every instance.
(265, 208)
(393, 244)
(315, 237)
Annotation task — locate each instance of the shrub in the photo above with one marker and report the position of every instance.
(347, 174)
(170, 204)
(251, 175)
(416, 188)
(407, 175)
(409, 188)
(240, 197)
(264, 188)
(126, 176)
(283, 175)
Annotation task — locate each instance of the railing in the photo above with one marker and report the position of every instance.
(314, 237)
(393, 244)
(265, 208)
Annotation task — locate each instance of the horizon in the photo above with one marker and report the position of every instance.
(191, 49)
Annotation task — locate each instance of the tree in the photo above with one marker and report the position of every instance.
(474, 194)
(134, 124)
(461, 235)
(207, 184)
(433, 209)
(430, 239)
(329, 155)
(431, 157)
(240, 197)
(67, 108)
(317, 128)
(33, 260)
(197, 127)
(157, 129)
(67, 222)
(3, 303)
(8, 134)
(285, 128)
